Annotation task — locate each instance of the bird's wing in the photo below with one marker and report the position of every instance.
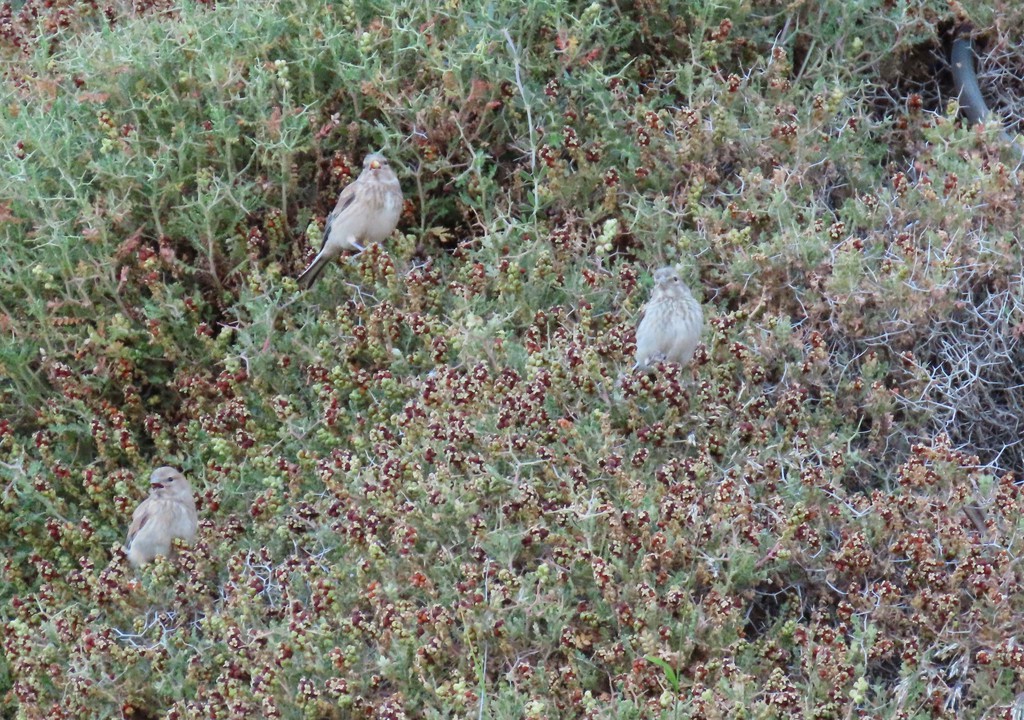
(649, 336)
(345, 200)
(139, 518)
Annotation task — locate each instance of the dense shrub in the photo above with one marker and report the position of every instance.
(433, 486)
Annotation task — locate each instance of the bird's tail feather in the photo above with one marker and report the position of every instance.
(311, 273)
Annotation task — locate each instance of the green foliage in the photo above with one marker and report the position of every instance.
(432, 486)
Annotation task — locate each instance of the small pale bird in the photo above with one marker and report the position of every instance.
(367, 211)
(169, 512)
(670, 328)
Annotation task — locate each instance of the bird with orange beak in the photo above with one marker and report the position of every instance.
(169, 512)
(367, 212)
(671, 325)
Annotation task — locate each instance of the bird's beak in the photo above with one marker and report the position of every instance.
(375, 164)
(156, 486)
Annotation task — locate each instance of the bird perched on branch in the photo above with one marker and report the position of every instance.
(169, 512)
(670, 328)
(367, 211)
